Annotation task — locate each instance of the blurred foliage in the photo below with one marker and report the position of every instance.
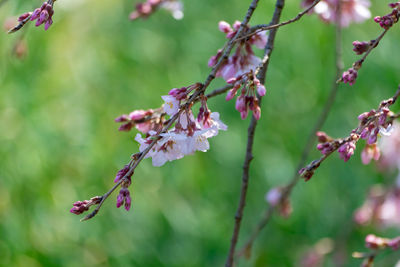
(59, 144)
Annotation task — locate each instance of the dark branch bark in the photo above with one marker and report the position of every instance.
(310, 141)
(250, 140)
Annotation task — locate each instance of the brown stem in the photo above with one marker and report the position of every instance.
(250, 139)
(246, 250)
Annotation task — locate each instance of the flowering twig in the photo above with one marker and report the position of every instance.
(42, 15)
(286, 190)
(366, 129)
(386, 22)
(265, 27)
(147, 8)
(250, 140)
(199, 91)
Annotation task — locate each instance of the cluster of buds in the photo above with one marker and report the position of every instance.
(388, 20)
(375, 122)
(371, 124)
(247, 100)
(345, 147)
(80, 207)
(361, 47)
(244, 59)
(350, 75)
(351, 10)
(124, 197)
(144, 120)
(43, 15)
(145, 9)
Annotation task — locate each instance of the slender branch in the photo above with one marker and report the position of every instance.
(228, 48)
(265, 27)
(250, 140)
(246, 250)
(357, 65)
(219, 91)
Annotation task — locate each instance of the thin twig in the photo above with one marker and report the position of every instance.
(229, 46)
(357, 65)
(246, 250)
(219, 91)
(265, 27)
(250, 139)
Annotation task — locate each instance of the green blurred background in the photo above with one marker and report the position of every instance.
(59, 144)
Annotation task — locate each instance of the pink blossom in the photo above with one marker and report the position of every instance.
(370, 152)
(352, 11)
(273, 197)
(145, 9)
(243, 59)
(171, 105)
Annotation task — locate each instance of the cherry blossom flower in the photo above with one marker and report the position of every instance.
(145, 9)
(352, 10)
(243, 59)
(171, 106)
(381, 207)
(370, 152)
(187, 137)
(390, 149)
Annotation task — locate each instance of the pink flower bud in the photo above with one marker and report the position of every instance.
(224, 27)
(241, 104)
(24, 16)
(261, 90)
(350, 76)
(360, 47)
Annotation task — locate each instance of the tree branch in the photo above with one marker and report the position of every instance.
(250, 140)
(265, 27)
(246, 250)
(227, 49)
